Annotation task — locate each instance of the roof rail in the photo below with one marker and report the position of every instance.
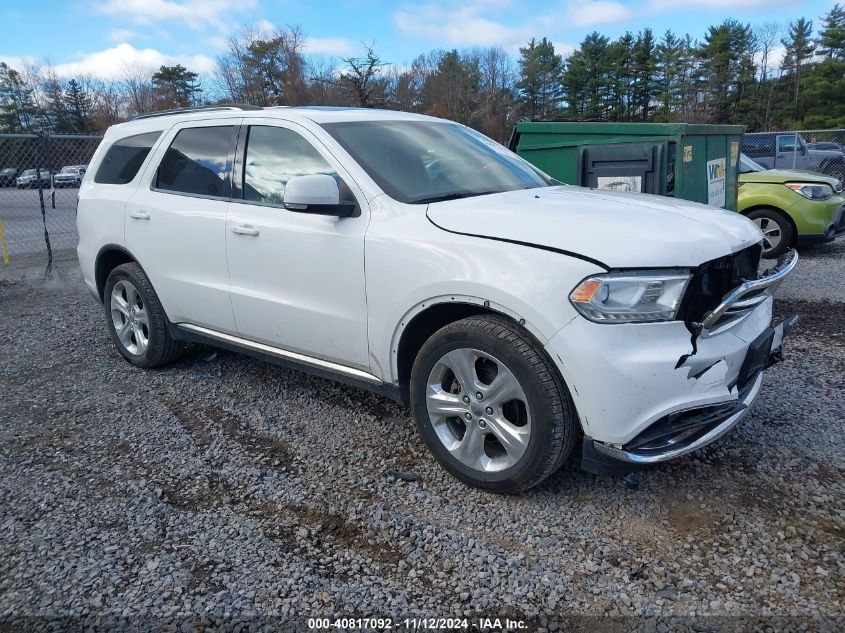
(208, 108)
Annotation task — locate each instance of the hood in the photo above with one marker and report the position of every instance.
(619, 230)
(787, 175)
(825, 153)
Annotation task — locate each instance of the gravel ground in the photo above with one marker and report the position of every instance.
(222, 490)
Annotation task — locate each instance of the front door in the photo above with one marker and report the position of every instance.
(296, 279)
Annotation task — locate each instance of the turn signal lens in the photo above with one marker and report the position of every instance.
(586, 290)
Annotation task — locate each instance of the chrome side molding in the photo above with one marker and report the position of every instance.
(295, 357)
(751, 293)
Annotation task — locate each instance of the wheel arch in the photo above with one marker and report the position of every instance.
(110, 257)
(426, 317)
(783, 212)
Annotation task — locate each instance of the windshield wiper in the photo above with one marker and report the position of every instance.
(454, 195)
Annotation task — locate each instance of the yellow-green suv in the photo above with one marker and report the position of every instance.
(790, 206)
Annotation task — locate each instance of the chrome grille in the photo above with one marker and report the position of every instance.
(748, 295)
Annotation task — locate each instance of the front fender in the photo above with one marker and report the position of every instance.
(410, 264)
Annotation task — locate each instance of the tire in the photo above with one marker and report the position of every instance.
(536, 416)
(778, 234)
(143, 339)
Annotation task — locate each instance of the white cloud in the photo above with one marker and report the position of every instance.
(479, 23)
(583, 14)
(338, 46)
(195, 13)
(461, 26)
(124, 35)
(113, 62)
(775, 59)
(16, 63)
(564, 49)
(715, 4)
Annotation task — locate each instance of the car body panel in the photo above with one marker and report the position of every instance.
(766, 189)
(668, 232)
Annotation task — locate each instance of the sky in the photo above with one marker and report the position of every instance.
(105, 37)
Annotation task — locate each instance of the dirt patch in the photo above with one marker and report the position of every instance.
(688, 517)
(202, 423)
(819, 319)
(322, 532)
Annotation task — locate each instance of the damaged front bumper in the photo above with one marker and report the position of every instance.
(687, 431)
(646, 393)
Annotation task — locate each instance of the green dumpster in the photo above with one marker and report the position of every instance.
(690, 161)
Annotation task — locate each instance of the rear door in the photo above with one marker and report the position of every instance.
(297, 279)
(176, 222)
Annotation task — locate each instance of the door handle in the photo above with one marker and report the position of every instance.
(139, 215)
(245, 230)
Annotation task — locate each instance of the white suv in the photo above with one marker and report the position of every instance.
(417, 258)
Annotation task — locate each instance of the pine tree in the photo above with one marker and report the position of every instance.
(586, 78)
(667, 74)
(832, 40)
(78, 105)
(540, 74)
(799, 51)
(54, 104)
(176, 86)
(18, 112)
(644, 70)
(620, 58)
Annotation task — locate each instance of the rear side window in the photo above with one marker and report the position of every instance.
(199, 162)
(124, 158)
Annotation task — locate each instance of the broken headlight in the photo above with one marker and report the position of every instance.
(631, 297)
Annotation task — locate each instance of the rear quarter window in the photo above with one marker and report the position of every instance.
(124, 158)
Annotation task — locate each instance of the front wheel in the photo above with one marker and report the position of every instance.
(777, 231)
(491, 406)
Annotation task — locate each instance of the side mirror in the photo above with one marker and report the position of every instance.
(317, 193)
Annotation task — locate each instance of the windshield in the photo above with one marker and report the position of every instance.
(746, 165)
(29, 172)
(69, 170)
(420, 161)
(8, 170)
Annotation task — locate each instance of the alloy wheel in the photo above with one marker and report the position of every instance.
(478, 410)
(129, 317)
(772, 233)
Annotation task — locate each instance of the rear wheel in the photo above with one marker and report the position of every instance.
(491, 406)
(778, 233)
(137, 322)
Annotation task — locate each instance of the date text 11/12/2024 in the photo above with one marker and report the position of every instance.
(417, 624)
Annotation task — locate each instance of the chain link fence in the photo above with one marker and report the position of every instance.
(822, 151)
(39, 180)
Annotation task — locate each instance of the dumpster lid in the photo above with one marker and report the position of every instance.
(608, 128)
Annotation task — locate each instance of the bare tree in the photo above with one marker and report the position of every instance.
(139, 89)
(767, 35)
(361, 77)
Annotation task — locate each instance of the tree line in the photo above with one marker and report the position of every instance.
(733, 74)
